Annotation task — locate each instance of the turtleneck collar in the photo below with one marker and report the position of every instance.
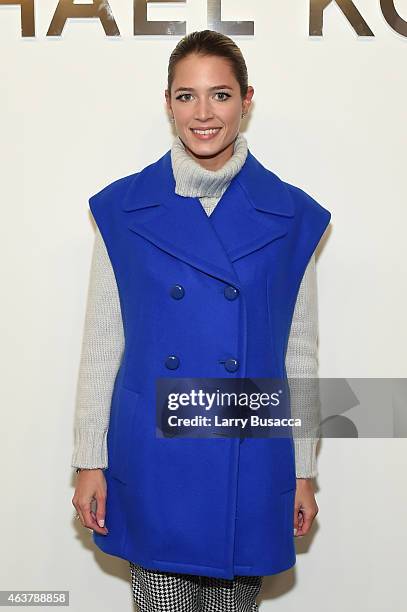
(193, 180)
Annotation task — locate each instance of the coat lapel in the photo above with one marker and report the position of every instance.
(255, 210)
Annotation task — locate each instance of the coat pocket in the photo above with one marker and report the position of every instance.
(122, 433)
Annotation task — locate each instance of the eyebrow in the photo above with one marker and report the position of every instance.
(210, 88)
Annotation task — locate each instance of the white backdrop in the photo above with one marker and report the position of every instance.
(329, 115)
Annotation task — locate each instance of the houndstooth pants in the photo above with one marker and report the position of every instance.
(155, 591)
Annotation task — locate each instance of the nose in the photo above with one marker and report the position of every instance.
(203, 110)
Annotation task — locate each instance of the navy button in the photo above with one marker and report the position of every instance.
(231, 292)
(172, 362)
(177, 292)
(231, 365)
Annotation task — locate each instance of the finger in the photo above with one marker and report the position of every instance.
(90, 521)
(307, 519)
(102, 530)
(100, 509)
(79, 511)
(299, 524)
(81, 517)
(296, 517)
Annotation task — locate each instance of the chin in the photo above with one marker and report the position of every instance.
(205, 151)
(204, 148)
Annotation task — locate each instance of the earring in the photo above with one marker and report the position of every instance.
(172, 119)
(244, 115)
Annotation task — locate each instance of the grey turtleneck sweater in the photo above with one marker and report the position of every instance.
(103, 337)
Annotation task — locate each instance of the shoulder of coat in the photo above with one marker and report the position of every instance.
(304, 201)
(115, 189)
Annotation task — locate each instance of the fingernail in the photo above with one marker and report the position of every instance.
(101, 523)
(295, 531)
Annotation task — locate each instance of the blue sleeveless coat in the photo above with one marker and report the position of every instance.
(202, 297)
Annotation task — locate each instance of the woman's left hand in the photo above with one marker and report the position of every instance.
(305, 506)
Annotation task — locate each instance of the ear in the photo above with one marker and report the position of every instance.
(247, 100)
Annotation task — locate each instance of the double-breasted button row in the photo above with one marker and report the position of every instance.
(178, 292)
(231, 364)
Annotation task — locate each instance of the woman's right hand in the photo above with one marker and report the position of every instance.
(91, 484)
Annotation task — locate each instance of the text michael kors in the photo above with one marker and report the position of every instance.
(101, 10)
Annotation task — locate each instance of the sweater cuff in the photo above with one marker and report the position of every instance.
(306, 457)
(90, 449)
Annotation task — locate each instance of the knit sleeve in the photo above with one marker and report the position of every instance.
(302, 363)
(102, 349)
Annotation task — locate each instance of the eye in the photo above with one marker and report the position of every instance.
(180, 97)
(222, 93)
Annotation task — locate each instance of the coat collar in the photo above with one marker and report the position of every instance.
(255, 209)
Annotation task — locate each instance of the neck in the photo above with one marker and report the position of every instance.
(193, 180)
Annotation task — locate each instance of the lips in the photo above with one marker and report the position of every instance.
(205, 133)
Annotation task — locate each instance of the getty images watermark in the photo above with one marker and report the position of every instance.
(275, 407)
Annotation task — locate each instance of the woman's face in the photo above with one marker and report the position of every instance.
(205, 94)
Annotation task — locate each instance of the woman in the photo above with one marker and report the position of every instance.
(203, 266)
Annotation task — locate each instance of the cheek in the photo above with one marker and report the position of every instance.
(182, 115)
(231, 115)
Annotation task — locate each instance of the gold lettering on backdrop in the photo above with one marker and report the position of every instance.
(316, 17)
(100, 9)
(142, 26)
(393, 18)
(226, 27)
(27, 15)
(66, 9)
